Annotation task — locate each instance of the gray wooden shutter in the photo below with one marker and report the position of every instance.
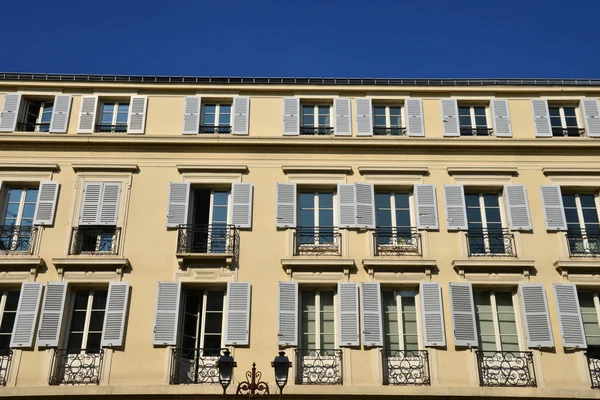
(191, 115)
(591, 115)
(137, 114)
(178, 204)
(432, 313)
(10, 112)
(517, 207)
(569, 316)
(52, 314)
(541, 118)
(371, 312)
(414, 117)
(347, 314)
(365, 205)
(237, 322)
(285, 213)
(554, 212)
(463, 315)
(364, 117)
(426, 202)
(27, 313)
(241, 205)
(87, 115)
(537, 319)
(60, 113)
(114, 316)
(346, 205)
(109, 208)
(90, 206)
(456, 212)
(166, 317)
(450, 117)
(291, 116)
(46, 203)
(287, 314)
(241, 112)
(501, 117)
(341, 111)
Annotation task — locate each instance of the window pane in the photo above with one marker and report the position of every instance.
(384, 218)
(473, 215)
(465, 121)
(31, 195)
(572, 215)
(324, 120)
(379, 111)
(472, 200)
(219, 214)
(209, 119)
(78, 321)
(108, 108)
(587, 200)
(12, 300)
(96, 320)
(306, 200)
(403, 218)
(554, 111)
(210, 108)
(492, 215)
(481, 121)
(8, 320)
(464, 111)
(81, 300)
(382, 200)
(326, 200)
(569, 111)
(214, 301)
(93, 342)
(326, 218)
(99, 302)
(12, 211)
(491, 200)
(225, 109)
(75, 340)
(306, 218)
(212, 342)
(571, 122)
(590, 216)
(213, 322)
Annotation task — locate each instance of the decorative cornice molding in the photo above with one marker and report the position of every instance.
(212, 168)
(482, 170)
(29, 166)
(290, 169)
(105, 167)
(393, 170)
(570, 170)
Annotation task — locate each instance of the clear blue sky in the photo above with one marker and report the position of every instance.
(376, 38)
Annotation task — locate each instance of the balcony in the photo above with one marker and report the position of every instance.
(106, 128)
(33, 127)
(207, 242)
(593, 361)
(468, 131)
(76, 367)
(17, 239)
(506, 368)
(583, 244)
(214, 130)
(490, 243)
(318, 367)
(5, 360)
(405, 367)
(568, 132)
(194, 366)
(384, 131)
(316, 130)
(95, 240)
(391, 241)
(317, 241)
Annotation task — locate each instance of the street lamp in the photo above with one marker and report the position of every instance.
(225, 364)
(281, 365)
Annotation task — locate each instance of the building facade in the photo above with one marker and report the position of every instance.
(392, 237)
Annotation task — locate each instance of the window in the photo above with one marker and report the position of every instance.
(317, 320)
(17, 222)
(316, 119)
(202, 326)
(315, 218)
(400, 321)
(563, 120)
(473, 121)
(9, 300)
(210, 232)
(36, 116)
(216, 118)
(87, 321)
(485, 224)
(583, 225)
(387, 120)
(394, 233)
(113, 117)
(496, 322)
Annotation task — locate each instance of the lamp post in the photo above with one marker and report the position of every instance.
(225, 364)
(281, 364)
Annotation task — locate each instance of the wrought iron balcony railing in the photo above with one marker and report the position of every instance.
(317, 241)
(76, 367)
(106, 128)
(95, 240)
(468, 131)
(583, 244)
(491, 243)
(316, 130)
(205, 239)
(405, 367)
(5, 361)
(17, 239)
(568, 132)
(384, 131)
(593, 361)
(506, 368)
(215, 130)
(33, 127)
(318, 367)
(397, 241)
(197, 366)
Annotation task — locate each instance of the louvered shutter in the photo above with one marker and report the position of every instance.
(26, 317)
(537, 319)
(456, 212)
(541, 118)
(286, 205)
(241, 112)
(569, 316)
(347, 314)
(90, 206)
(346, 205)
(414, 117)
(241, 207)
(178, 205)
(10, 112)
(433, 314)
(341, 110)
(450, 117)
(287, 314)
(237, 320)
(191, 115)
(114, 316)
(166, 317)
(426, 202)
(46, 203)
(554, 212)
(501, 117)
(591, 115)
(517, 207)
(60, 113)
(52, 314)
(109, 208)
(370, 296)
(364, 117)
(137, 114)
(463, 314)
(291, 116)
(365, 205)
(87, 115)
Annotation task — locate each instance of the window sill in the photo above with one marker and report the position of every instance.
(200, 258)
(98, 260)
(399, 262)
(105, 167)
(589, 265)
(20, 261)
(321, 261)
(491, 263)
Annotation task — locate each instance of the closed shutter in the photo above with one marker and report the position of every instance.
(346, 205)
(237, 320)
(591, 115)
(178, 205)
(414, 117)
(347, 314)
(456, 212)
(114, 316)
(537, 319)
(365, 205)
(241, 112)
(60, 113)
(137, 114)
(27, 312)
(90, 207)
(501, 117)
(287, 314)
(427, 214)
(109, 208)
(518, 207)
(433, 314)
(241, 208)
(341, 110)
(569, 316)
(364, 117)
(166, 317)
(46, 203)
(52, 314)
(370, 295)
(291, 116)
(10, 112)
(87, 115)
(463, 315)
(541, 118)
(191, 115)
(450, 117)
(286, 205)
(554, 212)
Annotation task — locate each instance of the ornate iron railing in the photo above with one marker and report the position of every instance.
(491, 243)
(468, 131)
(506, 368)
(318, 367)
(570, 131)
(5, 361)
(583, 244)
(33, 127)
(76, 367)
(405, 367)
(317, 241)
(17, 239)
(211, 129)
(198, 366)
(397, 241)
(95, 240)
(316, 130)
(219, 239)
(593, 361)
(384, 131)
(106, 128)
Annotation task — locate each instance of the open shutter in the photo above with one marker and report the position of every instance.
(191, 115)
(370, 296)
(287, 314)
(27, 312)
(109, 208)
(166, 317)
(177, 209)
(365, 205)
(237, 322)
(414, 117)
(286, 205)
(501, 117)
(291, 116)
(463, 314)
(241, 208)
(433, 314)
(60, 113)
(347, 314)
(46, 203)
(537, 319)
(341, 110)
(450, 117)
(591, 115)
(569, 316)
(90, 206)
(456, 212)
(518, 207)
(114, 317)
(87, 115)
(364, 117)
(541, 118)
(346, 205)
(241, 112)
(554, 212)
(137, 114)
(425, 199)
(52, 314)
(10, 112)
